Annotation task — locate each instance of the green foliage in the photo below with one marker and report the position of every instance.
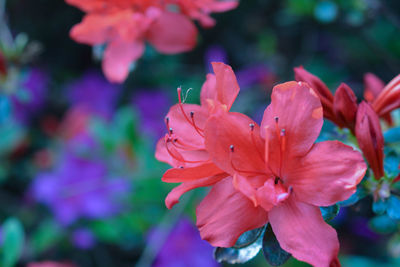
(272, 251)
(13, 242)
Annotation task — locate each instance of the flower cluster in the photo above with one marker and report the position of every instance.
(361, 119)
(270, 173)
(125, 25)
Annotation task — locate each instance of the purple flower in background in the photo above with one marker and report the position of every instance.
(152, 107)
(83, 238)
(215, 53)
(79, 187)
(258, 74)
(95, 93)
(30, 97)
(183, 247)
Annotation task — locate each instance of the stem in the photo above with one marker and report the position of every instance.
(164, 228)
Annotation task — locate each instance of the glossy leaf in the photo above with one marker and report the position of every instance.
(243, 254)
(272, 251)
(393, 207)
(13, 242)
(392, 135)
(329, 213)
(249, 237)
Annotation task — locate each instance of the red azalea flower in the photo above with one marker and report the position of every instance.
(341, 108)
(201, 9)
(125, 25)
(388, 99)
(373, 86)
(280, 176)
(183, 147)
(3, 67)
(370, 138)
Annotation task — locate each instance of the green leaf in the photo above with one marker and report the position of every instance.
(329, 213)
(47, 234)
(354, 198)
(272, 251)
(393, 207)
(243, 254)
(13, 242)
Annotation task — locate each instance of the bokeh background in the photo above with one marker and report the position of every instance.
(78, 179)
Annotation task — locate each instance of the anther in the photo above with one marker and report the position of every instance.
(283, 132)
(232, 148)
(167, 120)
(251, 126)
(180, 167)
(277, 179)
(276, 119)
(191, 114)
(171, 131)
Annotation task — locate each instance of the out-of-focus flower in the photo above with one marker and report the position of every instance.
(79, 187)
(258, 74)
(125, 26)
(183, 247)
(3, 67)
(215, 53)
(151, 118)
(95, 94)
(83, 238)
(278, 175)
(201, 9)
(183, 147)
(30, 97)
(370, 138)
(50, 264)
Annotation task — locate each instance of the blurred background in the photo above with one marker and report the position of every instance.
(79, 183)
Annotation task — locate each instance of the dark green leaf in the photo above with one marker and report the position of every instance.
(249, 237)
(273, 252)
(240, 255)
(13, 242)
(393, 207)
(353, 199)
(379, 207)
(383, 224)
(329, 213)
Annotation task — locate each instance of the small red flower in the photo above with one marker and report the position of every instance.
(370, 138)
(183, 147)
(3, 67)
(341, 108)
(280, 175)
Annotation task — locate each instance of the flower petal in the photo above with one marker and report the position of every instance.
(225, 88)
(301, 231)
(323, 92)
(370, 138)
(94, 29)
(226, 129)
(178, 175)
(329, 173)
(177, 192)
(296, 110)
(181, 123)
(118, 57)
(172, 33)
(345, 106)
(372, 86)
(224, 214)
(389, 99)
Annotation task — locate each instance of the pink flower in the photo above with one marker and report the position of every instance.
(183, 147)
(125, 25)
(278, 175)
